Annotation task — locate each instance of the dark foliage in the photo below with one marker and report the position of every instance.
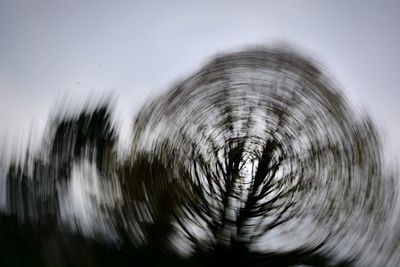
(255, 160)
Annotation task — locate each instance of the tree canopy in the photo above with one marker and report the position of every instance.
(255, 159)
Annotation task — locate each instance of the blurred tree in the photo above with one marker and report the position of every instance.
(256, 159)
(261, 148)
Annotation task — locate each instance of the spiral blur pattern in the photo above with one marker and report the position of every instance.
(254, 160)
(265, 153)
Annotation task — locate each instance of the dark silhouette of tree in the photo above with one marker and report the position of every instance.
(256, 159)
(37, 236)
(88, 135)
(262, 142)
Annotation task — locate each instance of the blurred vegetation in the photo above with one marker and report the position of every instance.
(256, 142)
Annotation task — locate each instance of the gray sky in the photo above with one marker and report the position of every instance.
(50, 49)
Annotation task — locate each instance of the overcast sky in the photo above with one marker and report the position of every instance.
(53, 49)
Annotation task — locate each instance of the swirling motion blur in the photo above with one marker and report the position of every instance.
(255, 159)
